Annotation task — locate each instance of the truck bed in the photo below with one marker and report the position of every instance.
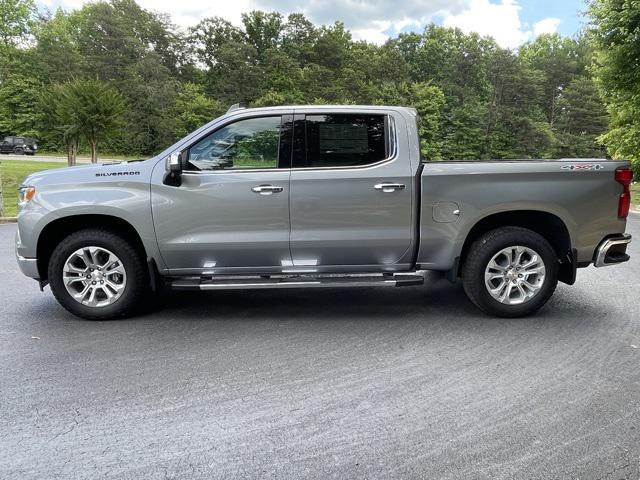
(456, 195)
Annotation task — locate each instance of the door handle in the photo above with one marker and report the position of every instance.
(267, 189)
(389, 187)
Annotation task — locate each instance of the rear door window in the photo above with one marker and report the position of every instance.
(341, 140)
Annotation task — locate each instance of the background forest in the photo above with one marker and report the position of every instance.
(550, 98)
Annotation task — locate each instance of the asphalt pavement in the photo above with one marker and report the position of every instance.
(364, 383)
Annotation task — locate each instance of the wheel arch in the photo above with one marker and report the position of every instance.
(56, 230)
(547, 224)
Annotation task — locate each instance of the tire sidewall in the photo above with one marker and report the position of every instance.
(488, 246)
(121, 249)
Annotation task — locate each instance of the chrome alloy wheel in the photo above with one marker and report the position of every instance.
(515, 275)
(94, 276)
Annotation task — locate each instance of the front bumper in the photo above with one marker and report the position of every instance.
(612, 251)
(28, 266)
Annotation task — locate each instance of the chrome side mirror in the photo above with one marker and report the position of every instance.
(175, 164)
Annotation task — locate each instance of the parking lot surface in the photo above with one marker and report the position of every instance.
(364, 383)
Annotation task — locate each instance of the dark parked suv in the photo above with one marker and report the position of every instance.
(19, 145)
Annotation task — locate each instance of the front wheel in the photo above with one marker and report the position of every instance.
(510, 272)
(98, 275)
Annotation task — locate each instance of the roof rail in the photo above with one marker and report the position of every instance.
(235, 106)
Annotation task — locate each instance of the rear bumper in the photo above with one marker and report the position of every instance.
(612, 251)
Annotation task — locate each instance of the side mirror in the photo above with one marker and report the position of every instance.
(176, 163)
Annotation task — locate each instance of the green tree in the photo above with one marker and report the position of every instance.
(97, 111)
(458, 64)
(428, 100)
(515, 126)
(235, 78)
(281, 74)
(193, 109)
(19, 108)
(582, 117)
(263, 31)
(475, 100)
(113, 36)
(16, 21)
(331, 46)
(83, 108)
(299, 36)
(209, 36)
(57, 105)
(150, 92)
(559, 60)
(57, 55)
(617, 69)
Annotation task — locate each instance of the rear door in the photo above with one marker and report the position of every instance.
(351, 192)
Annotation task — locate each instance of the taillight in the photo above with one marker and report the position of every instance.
(624, 176)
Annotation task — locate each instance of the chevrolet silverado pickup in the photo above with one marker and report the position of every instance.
(317, 196)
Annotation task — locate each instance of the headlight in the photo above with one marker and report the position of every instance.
(26, 194)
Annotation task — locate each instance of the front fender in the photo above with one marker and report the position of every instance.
(86, 191)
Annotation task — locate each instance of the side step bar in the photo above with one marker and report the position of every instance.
(250, 283)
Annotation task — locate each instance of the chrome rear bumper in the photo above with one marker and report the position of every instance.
(612, 251)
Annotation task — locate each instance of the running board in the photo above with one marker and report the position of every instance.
(251, 283)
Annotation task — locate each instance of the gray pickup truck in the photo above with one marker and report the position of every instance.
(317, 196)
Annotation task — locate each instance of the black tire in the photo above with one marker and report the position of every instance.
(137, 284)
(18, 151)
(481, 253)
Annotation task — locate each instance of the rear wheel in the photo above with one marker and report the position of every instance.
(510, 272)
(98, 275)
(18, 151)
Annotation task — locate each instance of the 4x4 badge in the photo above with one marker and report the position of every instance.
(582, 166)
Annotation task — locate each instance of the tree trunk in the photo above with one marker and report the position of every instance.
(73, 152)
(71, 158)
(552, 113)
(94, 151)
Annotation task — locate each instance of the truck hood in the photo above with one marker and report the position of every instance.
(119, 171)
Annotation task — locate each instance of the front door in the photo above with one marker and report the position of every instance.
(231, 212)
(351, 192)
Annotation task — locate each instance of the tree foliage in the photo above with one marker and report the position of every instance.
(474, 99)
(58, 105)
(616, 31)
(88, 109)
(16, 22)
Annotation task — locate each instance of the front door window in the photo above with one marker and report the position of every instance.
(247, 144)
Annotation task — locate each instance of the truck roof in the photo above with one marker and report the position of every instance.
(306, 108)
